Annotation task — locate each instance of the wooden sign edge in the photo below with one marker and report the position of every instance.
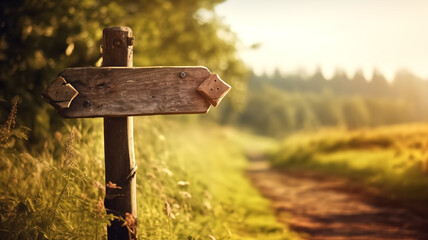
(62, 112)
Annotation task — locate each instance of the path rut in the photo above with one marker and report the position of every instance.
(322, 207)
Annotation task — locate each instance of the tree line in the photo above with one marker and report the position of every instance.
(279, 104)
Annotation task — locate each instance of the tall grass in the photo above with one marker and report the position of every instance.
(190, 184)
(197, 170)
(48, 195)
(393, 158)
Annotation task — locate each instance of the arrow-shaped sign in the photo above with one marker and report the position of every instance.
(126, 91)
(118, 91)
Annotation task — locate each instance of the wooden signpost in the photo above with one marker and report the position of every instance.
(117, 91)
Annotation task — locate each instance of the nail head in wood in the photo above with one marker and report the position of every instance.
(117, 43)
(86, 103)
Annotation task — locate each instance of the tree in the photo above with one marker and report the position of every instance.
(317, 82)
(40, 38)
(379, 86)
(340, 82)
(359, 84)
(355, 113)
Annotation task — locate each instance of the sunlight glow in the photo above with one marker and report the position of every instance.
(386, 35)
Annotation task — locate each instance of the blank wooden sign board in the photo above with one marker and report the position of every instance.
(118, 91)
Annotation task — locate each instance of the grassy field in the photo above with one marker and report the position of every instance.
(393, 158)
(190, 184)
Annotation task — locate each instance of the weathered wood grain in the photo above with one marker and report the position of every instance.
(214, 89)
(118, 142)
(60, 93)
(118, 91)
(117, 46)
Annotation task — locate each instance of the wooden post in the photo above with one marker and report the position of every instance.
(116, 92)
(120, 165)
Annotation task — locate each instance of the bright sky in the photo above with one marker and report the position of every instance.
(386, 35)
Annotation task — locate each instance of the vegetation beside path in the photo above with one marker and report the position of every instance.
(392, 158)
(190, 184)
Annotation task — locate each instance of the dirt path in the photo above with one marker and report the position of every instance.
(321, 207)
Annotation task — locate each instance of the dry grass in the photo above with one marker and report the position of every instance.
(394, 158)
(189, 185)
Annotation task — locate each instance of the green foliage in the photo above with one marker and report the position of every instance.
(392, 158)
(189, 185)
(276, 113)
(48, 195)
(278, 105)
(196, 170)
(40, 38)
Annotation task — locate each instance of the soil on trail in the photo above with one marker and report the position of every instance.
(323, 207)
